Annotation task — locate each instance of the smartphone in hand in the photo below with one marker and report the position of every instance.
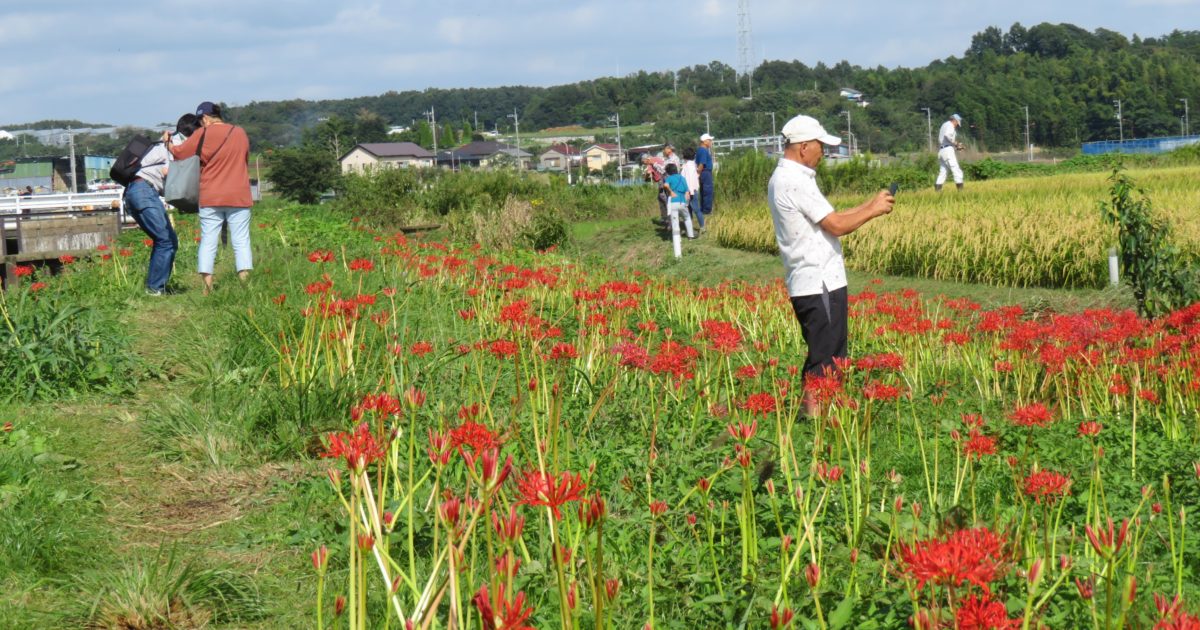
(893, 188)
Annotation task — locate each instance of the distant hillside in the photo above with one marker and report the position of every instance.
(1067, 76)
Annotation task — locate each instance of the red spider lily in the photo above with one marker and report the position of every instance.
(359, 448)
(978, 445)
(675, 359)
(383, 404)
(503, 349)
(876, 390)
(1032, 415)
(888, 361)
(1105, 541)
(1086, 588)
(563, 351)
(658, 508)
(320, 255)
(760, 404)
(1149, 396)
(812, 574)
(468, 412)
(339, 605)
(723, 337)
(507, 566)
(704, 484)
(280, 299)
(493, 473)
(823, 389)
(148, 242)
(366, 542)
(420, 348)
(612, 588)
(1171, 615)
(981, 613)
(971, 555)
(742, 431)
(320, 558)
(1089, 429)
(318, 287)
(414, 397)
(829, 474)
(540, 488)
(361, 264)
(21, 271)
(66, 259)
(747, 372)
(1047, 486)
(37, 286)
(501, 614)
(102, 248)
(508, 529)
(473, 435)
(594, 510)
(124, 253)
(632, 355)
(439, 448)
(781, 618)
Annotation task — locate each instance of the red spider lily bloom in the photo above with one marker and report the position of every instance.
(675, 359)
(888, 361)
(812, 574)
(723, 337)
(781, 618)
(563, 351)
(1047, 485)
(280, 299)
(978, 445)
(318, 287)
(359, 448)
(876, 390)
(1107, 542)
(503, 349)
(383, 404)
(1003, 367)
(339, 605)
(612, 587)
(148, 242)
(414, 397)
(761, 404)
(124, 253)
(539, 488)
(469, 412)
(1149, 396)
(320, 255)
(658, 508)
(501, 614)
(66, 259)
(823, 389)
(1032, 415)
(632, 355)
(1089, 429)
(493, 473)
(37, 286)
(320, 557)
(747, 372)
(366, 542)
(21, 271)
(704, 484)
(981, 613)
(593, 511)
(829, 474)
(102, 248)
(420, 348)
(361, 264)
(1086, 588)
(439, 448)
(971, 555)
(742, 431)
(466, 315)
(473, 435)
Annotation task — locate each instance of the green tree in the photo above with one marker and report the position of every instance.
(424, 135)
(302, 174)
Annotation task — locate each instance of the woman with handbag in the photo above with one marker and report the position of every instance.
(223, 151)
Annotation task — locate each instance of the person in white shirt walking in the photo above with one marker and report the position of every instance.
(947, 161)
(807, 230)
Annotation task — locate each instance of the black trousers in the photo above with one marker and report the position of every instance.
(823, 323)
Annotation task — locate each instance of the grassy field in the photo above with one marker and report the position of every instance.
(600, 436)
(1019, 232)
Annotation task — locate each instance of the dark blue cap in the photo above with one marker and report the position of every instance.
(205, 109)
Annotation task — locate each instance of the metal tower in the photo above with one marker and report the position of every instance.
(744, 43)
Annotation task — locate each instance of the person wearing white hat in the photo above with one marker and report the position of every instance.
(947, 161)
(704, 167)
(807, 230)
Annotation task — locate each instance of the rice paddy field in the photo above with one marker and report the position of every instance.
(1019, 232)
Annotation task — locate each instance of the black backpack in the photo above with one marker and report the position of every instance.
(130, 161)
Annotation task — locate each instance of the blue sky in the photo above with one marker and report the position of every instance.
(135, 62)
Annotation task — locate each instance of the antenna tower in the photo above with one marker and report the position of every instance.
(745, 45)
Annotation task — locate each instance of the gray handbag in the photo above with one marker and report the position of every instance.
(182, 187)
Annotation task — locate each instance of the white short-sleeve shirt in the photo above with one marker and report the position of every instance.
(812, 257)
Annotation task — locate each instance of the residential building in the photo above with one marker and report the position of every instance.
(485, 154)
(559, 156)
(371, 155)
(597, 155)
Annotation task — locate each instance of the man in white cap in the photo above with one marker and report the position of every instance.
(807, 230)
(704, 168)
(947, 161)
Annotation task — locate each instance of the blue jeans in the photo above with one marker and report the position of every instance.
(706, 192)
(694, 207)
(211, 220)
(142, 201)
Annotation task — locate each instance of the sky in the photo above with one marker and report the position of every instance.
(145, 63)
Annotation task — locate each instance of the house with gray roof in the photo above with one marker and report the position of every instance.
(374, 155)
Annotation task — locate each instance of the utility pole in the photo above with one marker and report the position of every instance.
(1028, 144)
(71, 140)
(1120, 123)
(432, 116)
(620, 151)
(929, 128)
(778, 147)
(476, 113)
(707, 127)
(1187, 124)
(675, 82)
(517, 126)
(849, 133)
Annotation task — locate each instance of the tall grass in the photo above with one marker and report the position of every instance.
(1021, 232)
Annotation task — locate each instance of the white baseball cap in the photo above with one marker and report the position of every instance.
(804, 128)
(704, 137)
(956, 118)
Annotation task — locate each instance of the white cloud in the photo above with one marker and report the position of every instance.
(452, 30)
